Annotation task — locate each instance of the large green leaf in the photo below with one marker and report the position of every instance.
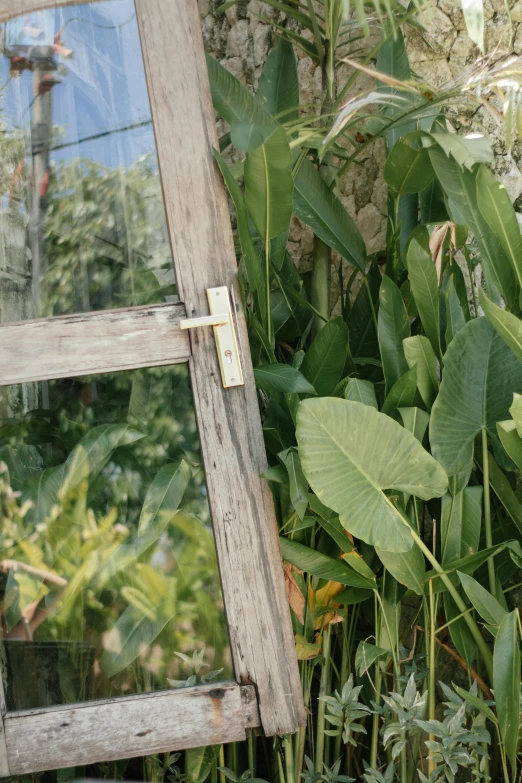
(425, 290)
(317, 564)
(394, 326)
(408, 167)
(160, 506)
(392, 60)
(253, 266)
(415, 421)
(508, 326)
(134, 631)
(90, 455)
(360, 391)
(363, 334)
(407, 568)
(503, 490)
(506, 683)
(486, 605)
(479, 377)
(325, 359)
(42, 491)
(351, 454)
(459, 631)
(474, 17)
(317, 206)
(278, 88)
(298, 485)
(455, 319)
(460, 186)
(269, 185)
(163, 498)
(497, 209)
(232, 100)
(281, 378)
(402, 394)
(466, 150)
(420, 354)
(511, 441)
(460, 524)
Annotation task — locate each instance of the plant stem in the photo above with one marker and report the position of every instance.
(222, 778)
(345, 666)
(280, 770)
(320, 290)
(468, 619)
(321, 708)
(431, 674)
(375, 717)
(487, 513)
(372, 308)
(251, 754)
(289, 758)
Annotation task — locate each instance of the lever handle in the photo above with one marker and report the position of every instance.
(222, 321)
(205, 320)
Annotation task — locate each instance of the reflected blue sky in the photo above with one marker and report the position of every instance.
(101, 86)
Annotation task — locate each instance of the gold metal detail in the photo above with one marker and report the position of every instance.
(221, 320)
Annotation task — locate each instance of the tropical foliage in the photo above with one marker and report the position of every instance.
(393, 430)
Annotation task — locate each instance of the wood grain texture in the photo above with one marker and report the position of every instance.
(131, 726)
(230, 428)
(90, 343)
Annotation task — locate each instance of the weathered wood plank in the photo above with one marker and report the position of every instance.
(106, 730)
(229, 423)
(90, 343)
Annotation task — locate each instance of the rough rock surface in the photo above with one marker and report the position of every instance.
(241, 39)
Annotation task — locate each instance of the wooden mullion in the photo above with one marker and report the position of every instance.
(92, 343)
(129, 726)
(229, 423)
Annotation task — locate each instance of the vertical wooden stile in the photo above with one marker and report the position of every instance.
(229, 422)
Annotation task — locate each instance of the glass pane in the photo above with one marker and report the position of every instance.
(82, 219)
(108, 576)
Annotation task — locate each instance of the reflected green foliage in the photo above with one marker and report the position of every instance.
(112, 500)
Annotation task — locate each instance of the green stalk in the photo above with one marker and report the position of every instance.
(321, 708)
(321, 279)
(345, 666)
(487, 513)
(222, 778)
(251, 754)
(289, 758)
(306, 679)
(431, 674)
(468, 619)
(280, 770)
(378, 680)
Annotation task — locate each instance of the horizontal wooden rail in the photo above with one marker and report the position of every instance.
(130, 726)
(90, 343)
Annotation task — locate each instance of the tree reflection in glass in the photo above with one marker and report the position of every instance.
(108, 575)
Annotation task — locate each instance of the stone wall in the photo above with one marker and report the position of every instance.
(241, 39)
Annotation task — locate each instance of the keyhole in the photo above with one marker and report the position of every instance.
(228, 355)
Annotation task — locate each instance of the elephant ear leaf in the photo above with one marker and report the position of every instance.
(479, 377)
(351, 454)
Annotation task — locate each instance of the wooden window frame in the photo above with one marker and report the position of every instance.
(267, 691)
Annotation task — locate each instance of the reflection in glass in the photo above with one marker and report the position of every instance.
(108, 574)
(82, 220)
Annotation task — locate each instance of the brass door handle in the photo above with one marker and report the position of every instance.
(221, 320)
